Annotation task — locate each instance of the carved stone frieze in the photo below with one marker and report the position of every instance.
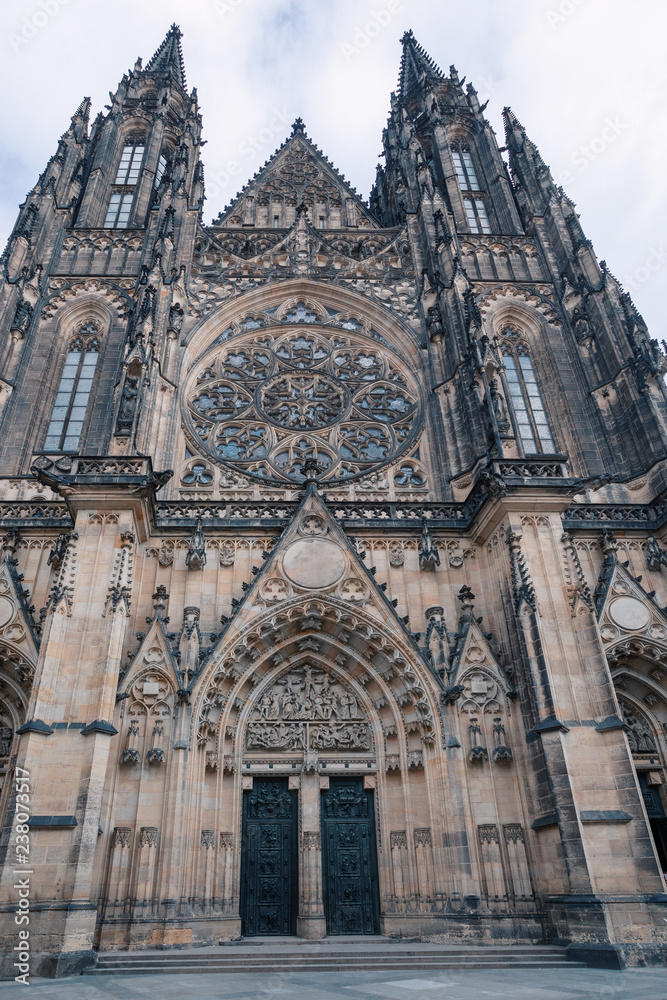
(307, 709)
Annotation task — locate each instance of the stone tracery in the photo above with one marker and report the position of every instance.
(269, 404)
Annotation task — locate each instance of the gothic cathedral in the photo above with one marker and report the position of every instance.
(335, 546)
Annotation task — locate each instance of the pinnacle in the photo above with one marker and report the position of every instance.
(169, 57)
(83, 111)
(416, 65)
(511, 121)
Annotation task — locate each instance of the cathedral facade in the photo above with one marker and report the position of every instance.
(332, 593)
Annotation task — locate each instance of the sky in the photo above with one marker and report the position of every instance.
(587, 79)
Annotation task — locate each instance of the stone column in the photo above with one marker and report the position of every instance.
(225, 864)
(311, 922)
(398, 840)
(516, 853)
(425, 869)
(144, 876)
(207, 844)
(117, 891)
(492, 861)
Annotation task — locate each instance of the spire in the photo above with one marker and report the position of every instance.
(517, 141)
(169, 57)
(416, 66)
(79, 124)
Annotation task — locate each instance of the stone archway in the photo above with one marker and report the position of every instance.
(639, 671)
(318, 696)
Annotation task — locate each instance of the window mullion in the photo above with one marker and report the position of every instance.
(529, 407)
(512, 413)
(72, 397)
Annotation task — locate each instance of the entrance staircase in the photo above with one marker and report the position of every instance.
(342, 954)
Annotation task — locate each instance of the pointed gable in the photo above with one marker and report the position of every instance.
(154, 656)
(297, 174)
(19, 643)
(474, 675)
(625, 611)
(314, 557)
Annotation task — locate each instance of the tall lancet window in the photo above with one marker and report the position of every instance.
(76, 383)
(473, 202)
(465, 170)
(122, 194)
(529, 414)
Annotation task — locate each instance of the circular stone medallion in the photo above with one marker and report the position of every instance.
(6, 611)
(314, 563)
(629, 613)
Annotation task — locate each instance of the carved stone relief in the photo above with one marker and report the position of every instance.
(307, 709)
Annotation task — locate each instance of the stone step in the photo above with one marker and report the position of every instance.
(318, 958)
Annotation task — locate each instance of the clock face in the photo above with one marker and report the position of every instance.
(268, 404)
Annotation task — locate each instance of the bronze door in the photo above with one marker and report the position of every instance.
(269, 862)
(349, 858)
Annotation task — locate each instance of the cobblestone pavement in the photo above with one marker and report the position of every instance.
(529, 984)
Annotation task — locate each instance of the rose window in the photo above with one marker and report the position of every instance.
(297, 400)
(269, 405)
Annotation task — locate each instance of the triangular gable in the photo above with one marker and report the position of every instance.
(313, 558)
(475, 678)
(623, 607)
(154, 654)
(18, 637)
(297, 173)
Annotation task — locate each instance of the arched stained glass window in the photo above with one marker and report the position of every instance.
(530, 416)
(76, 383)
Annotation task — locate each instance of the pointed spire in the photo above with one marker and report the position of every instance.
(515, 133)
(169, 57)
(81, 117)
(417, 67)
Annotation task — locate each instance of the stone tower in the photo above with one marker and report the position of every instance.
(332, 594)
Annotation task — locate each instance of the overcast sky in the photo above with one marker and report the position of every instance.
(587, 78)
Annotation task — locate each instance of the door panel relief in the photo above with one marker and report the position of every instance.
(269, 863)
(349, 858)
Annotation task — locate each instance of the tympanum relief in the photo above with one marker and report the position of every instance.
(307, 709)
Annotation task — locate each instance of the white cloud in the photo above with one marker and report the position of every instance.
(566, 67)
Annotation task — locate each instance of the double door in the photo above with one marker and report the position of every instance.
(269, 863)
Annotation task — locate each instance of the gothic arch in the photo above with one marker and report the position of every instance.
(397, 334)
(347, 642)
(355, 406)
(15, 679)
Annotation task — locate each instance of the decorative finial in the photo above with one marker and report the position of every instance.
(196, 554)
(466, 597)
(429, 557)
(311, 470)
(160, 597)
(298, 126)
